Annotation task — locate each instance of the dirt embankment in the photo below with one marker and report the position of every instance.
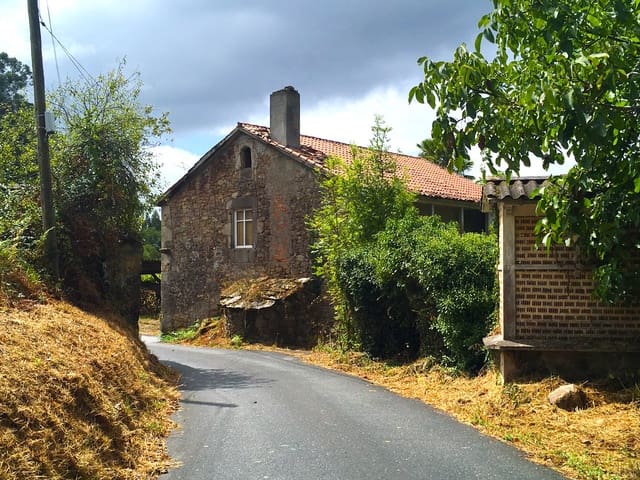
(80, 397)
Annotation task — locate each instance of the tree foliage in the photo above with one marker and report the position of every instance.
(104, 179)
(151, 236)
(104, 164)
(563, 81)
(20, 214)
(15, 76)
(20, 225)
(444, 281)
(357, 199)
(104, 172)
(430, 150)
(19, 209)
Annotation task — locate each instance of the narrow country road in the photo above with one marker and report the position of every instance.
(260, 415)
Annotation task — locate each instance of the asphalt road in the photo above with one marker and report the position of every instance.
(261, 415)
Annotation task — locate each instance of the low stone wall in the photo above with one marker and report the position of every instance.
(569, 365)
(122, 279)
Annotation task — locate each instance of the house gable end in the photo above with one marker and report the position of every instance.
(312, 160)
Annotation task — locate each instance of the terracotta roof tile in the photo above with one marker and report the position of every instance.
(423, 177)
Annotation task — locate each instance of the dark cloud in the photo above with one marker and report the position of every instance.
(215, 62)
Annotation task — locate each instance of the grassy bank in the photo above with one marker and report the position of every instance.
(80, 397)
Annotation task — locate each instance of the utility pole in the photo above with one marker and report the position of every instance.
(46, 194)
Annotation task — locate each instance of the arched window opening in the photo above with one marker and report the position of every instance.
(245, 157)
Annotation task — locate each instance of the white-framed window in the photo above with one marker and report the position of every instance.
(243, 231)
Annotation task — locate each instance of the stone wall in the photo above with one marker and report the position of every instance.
(198, 257)
(295, 318)
(122, 279)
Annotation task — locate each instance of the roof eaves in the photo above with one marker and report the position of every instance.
(169, 192)
(294, 153)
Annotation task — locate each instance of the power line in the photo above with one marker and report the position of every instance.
(84, 73)
(53, 44)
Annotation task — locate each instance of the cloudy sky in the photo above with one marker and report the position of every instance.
(213, 63)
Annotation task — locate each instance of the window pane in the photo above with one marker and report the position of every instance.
(243, 221)
(248, 225)
(239, 234)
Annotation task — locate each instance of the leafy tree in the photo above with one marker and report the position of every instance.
(563, 81)
(104, 174)
(20, 221)
(429, 150)
(401, 284)
(14, 79)
(19, 217)
(104, 164)
(357, 199)
(151, 236)
(104, 182)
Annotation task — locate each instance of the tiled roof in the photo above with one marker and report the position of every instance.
(517, 188)
(423, 177)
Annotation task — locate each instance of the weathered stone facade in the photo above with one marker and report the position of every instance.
(198, 252)
(277, 311)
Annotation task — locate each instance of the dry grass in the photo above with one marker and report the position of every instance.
(260, 289)
(80, 397)
(149, 325)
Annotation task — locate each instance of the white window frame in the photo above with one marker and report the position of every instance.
(240, 220)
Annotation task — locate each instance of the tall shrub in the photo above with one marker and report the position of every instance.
(401, 284)
(357, 199)
(105, 176)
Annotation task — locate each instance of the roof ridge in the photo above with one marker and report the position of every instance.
(348, 144)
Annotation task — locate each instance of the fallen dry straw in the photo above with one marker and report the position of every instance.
(79, 397)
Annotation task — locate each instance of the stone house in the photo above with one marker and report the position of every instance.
(549, 319)
(240, 211)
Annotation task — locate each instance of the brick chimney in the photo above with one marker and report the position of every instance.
(285, 117)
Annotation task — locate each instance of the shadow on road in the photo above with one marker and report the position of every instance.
(195, 379)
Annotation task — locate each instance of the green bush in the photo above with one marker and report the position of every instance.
(401, 284)
(421, 287)
(379, 319)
